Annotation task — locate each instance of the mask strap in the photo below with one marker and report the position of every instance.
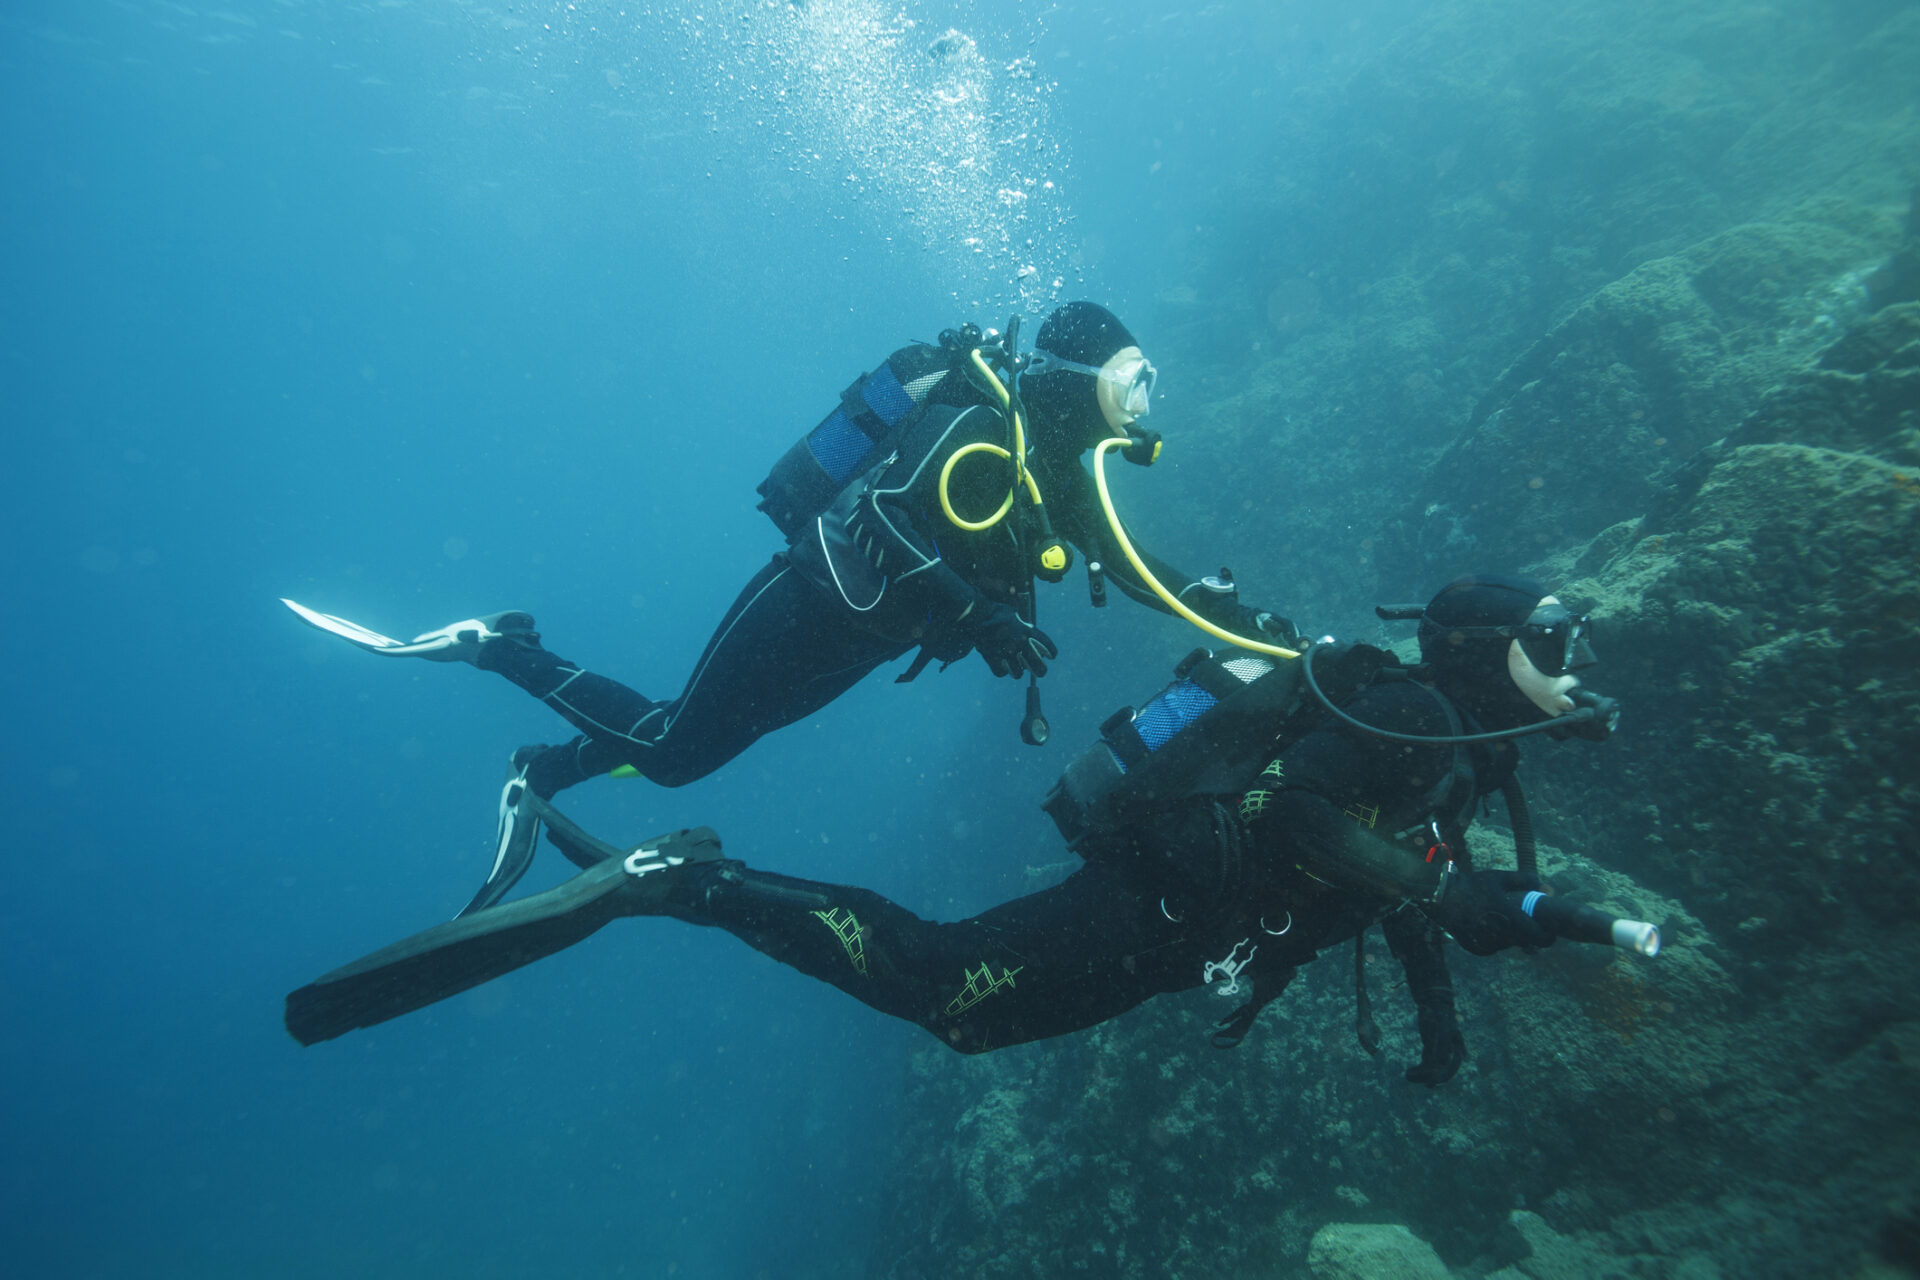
(1039, 361)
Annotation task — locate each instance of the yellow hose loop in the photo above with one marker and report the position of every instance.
(1146, 575)
(1018, 454)
(946, 503)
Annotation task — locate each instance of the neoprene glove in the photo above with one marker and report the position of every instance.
(1478, 910)
(1257, 624)
(1010, 645)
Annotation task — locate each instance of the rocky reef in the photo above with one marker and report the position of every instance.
(1682, 381)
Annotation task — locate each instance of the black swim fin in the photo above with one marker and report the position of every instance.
(461, 954)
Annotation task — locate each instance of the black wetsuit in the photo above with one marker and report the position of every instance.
(1210, 890)
(826, 612)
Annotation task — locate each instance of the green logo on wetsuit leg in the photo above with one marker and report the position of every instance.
(980, 984)
(1254, 803)
(852, 937)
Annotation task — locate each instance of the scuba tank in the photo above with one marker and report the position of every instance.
(968, 367)
(873, 413)
(1209, 732)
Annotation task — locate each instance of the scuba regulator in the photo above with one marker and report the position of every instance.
(994, 365)
(1046, 555)
(1593, 718)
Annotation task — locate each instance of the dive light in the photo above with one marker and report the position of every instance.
(1587, 924)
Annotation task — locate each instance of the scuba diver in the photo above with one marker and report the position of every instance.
(918, 514)
(1252, 815)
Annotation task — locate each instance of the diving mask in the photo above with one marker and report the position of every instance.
(1554, 639)
(1125, 381)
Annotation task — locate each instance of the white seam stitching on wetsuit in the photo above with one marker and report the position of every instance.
(686, 694)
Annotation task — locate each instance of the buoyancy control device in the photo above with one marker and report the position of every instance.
(1209, 732)
(873, 414)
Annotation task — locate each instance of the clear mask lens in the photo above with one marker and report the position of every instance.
(1134, 381)
(1558, 645)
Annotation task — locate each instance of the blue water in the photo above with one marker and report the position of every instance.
(412, 311)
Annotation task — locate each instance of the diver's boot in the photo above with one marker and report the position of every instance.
(549, 770)
(466, 641)
(661, 876)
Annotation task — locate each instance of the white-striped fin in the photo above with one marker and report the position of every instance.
(352, 631)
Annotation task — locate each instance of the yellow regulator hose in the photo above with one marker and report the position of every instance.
(1018, 454)
(1146, 575)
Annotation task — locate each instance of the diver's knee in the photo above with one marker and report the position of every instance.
(660, 768)
(672, 775)
(960, 1039)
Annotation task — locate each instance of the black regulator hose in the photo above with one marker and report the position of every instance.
(1593, 718)
(1524, 852)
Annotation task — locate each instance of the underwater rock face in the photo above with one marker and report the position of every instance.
(1367, 1251)
(1645, 372)
(1741, 1105)
(1493, 177)
(1863, 396)
(1768, 636)
(1704, 365)
(1541, 1253)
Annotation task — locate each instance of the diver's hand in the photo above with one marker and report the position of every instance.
(1259, 624)
(1476, 908)
(1442, 1047)
(1011, 645)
